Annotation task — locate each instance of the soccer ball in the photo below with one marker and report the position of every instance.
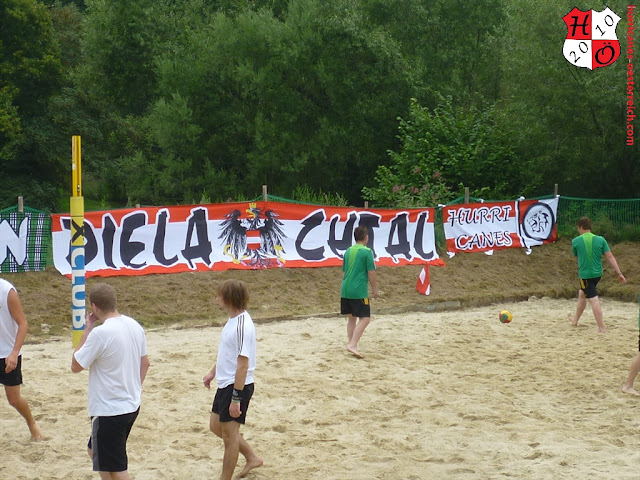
(505, 316)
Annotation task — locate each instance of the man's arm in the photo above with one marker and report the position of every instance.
(89, 324)
(241, 372)
(15, 309)
(238, 384)
(372, 281)
(208, 378)
(144, 368)
(612, 261)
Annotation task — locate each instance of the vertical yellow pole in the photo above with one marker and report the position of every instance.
(77, 243)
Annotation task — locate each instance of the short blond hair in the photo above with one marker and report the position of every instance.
(104, 297)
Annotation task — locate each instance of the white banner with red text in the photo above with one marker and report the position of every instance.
(247, 235)
(483, 227)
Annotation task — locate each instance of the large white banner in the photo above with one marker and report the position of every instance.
(241, 236)
(480, 227)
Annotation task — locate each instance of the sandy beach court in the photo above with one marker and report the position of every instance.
(439, 395)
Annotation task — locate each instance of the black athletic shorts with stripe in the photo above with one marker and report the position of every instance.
(588, 286)
(222, 402)
(108, 441)
(360, 308)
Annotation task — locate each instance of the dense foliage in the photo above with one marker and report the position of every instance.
(399, 102)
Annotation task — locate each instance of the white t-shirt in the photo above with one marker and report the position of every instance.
(8, 326)
(238, 338)
(112, 353)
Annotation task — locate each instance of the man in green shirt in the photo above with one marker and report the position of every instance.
(589, 249)
(359, 270)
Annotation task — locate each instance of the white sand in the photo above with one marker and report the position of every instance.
(440, 395)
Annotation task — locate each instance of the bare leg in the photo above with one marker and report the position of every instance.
(115, 475)
(231, 439)
(19, 403)
(582, 303)
(253, 461)
(633, 373)
(120, 475)
(597, 312)
(357, 333)
(214, 425)
(351, 325)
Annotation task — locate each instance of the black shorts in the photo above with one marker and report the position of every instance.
(357, 307)
(108, 441)
(588, 286)
(14, 377)
(222, 401)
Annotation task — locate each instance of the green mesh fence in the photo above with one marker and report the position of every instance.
(25, 240)
(617, 220)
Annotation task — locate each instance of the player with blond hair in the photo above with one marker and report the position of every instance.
(233, 373)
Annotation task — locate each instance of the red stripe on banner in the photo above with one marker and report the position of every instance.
(253, 239)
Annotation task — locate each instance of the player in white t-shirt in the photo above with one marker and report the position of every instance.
(233, 373)
(116, 355)
(13, 331)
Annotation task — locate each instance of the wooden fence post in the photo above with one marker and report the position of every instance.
(265, 196)
(20, 204)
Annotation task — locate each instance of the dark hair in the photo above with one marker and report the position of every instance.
(104, 297)
(360, 233)
(584, 223)
(234, 293)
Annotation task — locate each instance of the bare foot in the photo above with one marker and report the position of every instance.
(572, 319)
(602, 330)
(630, 390)
(257, 462)
(354, 352)
(36, 434)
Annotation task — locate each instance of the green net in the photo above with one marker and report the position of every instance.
(25, 240)
(616, 220)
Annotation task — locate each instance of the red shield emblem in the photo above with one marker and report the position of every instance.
(591, 38)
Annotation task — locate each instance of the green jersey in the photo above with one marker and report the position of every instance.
(589, 249)
(358, 261)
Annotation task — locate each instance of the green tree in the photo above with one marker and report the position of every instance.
(442, 151)
(30, 70)
(120, 41)
(566, 122)
(452, 47)
(264, 100)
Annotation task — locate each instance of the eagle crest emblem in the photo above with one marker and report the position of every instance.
(254, 241)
